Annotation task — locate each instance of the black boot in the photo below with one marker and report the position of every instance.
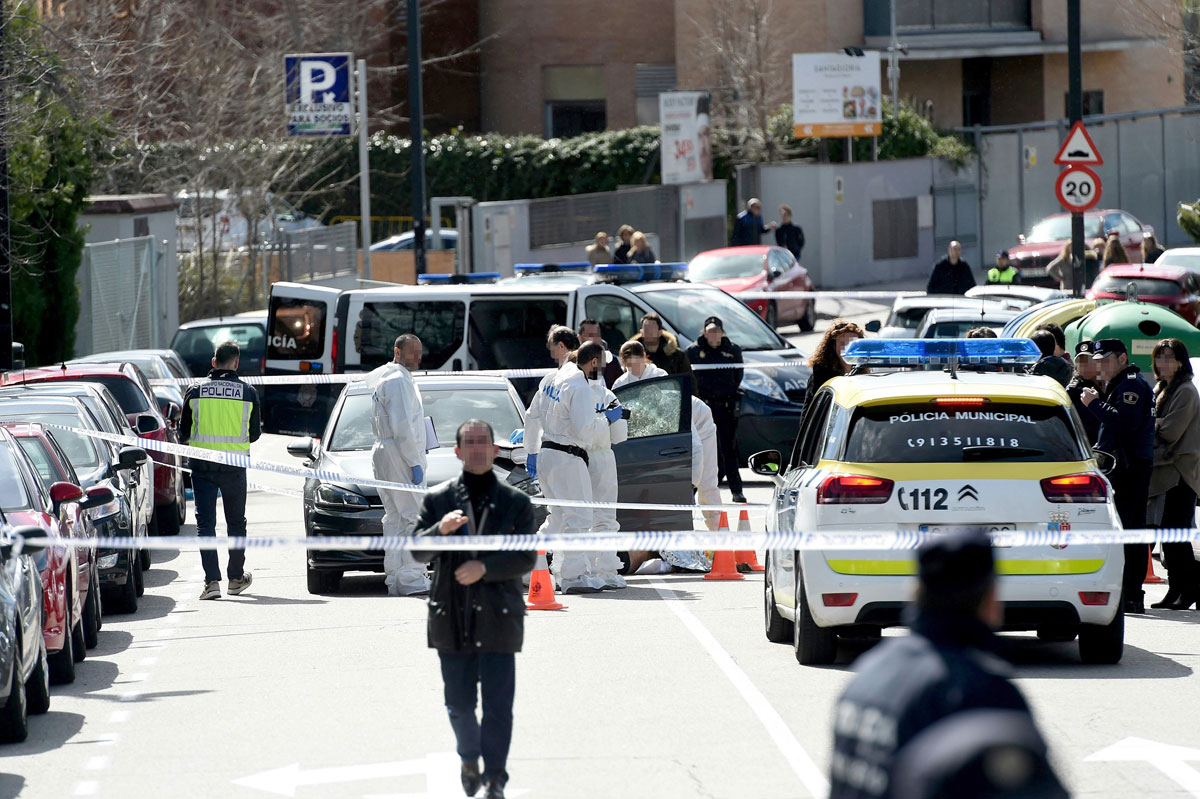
(1186, 600)
(1170, 599)
(495, 790)
(471, 781)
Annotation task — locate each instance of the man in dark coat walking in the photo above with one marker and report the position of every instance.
(951, 275)
(748, 227)
(718, 388)
(476, 604)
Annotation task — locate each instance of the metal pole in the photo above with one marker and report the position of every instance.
(6, 311)
(364, 170)
(894, 64)
(1162, 129)
(415, 121)
(849, 149)
(1075, 113)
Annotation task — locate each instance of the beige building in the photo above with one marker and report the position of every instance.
(560, 67)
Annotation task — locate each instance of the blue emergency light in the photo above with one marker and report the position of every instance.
(524, 270)
(941, 352)
(636, 273)
(446, 280)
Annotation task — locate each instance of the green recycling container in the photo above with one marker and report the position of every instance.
(1140, 325)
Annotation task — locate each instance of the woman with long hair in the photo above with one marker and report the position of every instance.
(1114, 252)
(1176, 477)
(640, 252)
(826, 361)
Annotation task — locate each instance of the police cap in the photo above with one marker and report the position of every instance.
(715, 321)
(984, 754)
(956, 561)
(1108, 346)
(1083, 348)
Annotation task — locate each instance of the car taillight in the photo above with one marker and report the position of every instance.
(853, 489)
(1093, 597)
(944, 402)
(333, 357)
(1075, 488)
(839, 600)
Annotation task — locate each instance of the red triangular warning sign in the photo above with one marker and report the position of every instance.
(1078, 149)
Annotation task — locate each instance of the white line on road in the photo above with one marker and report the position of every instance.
(800, 761)
(97, 763)
(118, 717)
(108, 738)
(150, 661)
(86, 788)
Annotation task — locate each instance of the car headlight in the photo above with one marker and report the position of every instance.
(756, 382)
(103, 512)
(340, 497)
(107, 561)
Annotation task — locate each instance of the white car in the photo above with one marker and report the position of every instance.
(925, 451)
(1018, 296)
(957, 322)
(1187, 257)
(909, 310)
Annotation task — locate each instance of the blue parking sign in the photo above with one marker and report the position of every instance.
(319, 97)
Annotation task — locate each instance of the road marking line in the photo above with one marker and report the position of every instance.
(118, 716)
(812, 777)
(108, 738)
(97, 763)
(166, 632)
(86, 788)
(131, 696)
(150, 661)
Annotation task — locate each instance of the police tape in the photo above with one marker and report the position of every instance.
(833, 295)
(649, 540)
(242, 461)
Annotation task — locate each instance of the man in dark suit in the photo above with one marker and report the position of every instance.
(476, 604)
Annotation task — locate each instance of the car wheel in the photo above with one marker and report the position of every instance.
(815, 646)
(62, 662)
(167, 519)
(78, 642)
(14, 723)
(127, 595)
(772, 314)
(144, 559)
(322, 581)
(809, 320)
(181, 503)
(139, 571)
(37, 688)
(91, 615)
(1103, 644)
(777, 627)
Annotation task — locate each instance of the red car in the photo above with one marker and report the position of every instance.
(759, 268)
(70, 587)
(1045, 240)
(1175, 287)
(129, 387)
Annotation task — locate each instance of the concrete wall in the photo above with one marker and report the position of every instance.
(839, 248)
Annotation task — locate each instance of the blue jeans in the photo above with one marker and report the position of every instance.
(496, 673)
(232, 485)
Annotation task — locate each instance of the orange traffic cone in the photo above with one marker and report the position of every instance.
(541, 587)
(746, 557)
(724, 565)
(1151, 577)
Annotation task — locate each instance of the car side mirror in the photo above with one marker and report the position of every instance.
(146, 423)
(874, 326)
(1020, 238)
(768, 463)
(97, 496)
(303, 448)
(1106, 461)
(130, 458)
(62, 492)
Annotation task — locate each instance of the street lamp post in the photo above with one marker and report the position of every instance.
(893, 71)
(1075, 112)
(416, 135)
(6, 310)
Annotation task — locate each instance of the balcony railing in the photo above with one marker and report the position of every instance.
(945, 16)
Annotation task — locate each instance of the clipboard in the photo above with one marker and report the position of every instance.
(431, 439)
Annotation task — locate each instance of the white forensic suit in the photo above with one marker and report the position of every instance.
(563, 414)
(704, 461)
(602, 468)
(398, 422)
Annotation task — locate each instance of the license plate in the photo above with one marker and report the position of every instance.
(943, 529)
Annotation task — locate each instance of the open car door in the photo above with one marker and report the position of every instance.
(302, 339)
(655, 464)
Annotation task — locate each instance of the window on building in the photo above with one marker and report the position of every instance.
(574, 99)
(1093, 103)
(652, 80)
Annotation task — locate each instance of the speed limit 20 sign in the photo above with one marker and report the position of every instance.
(1078, 188)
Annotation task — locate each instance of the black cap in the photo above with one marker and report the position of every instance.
(955, 562)
(1002, 254)
(979, 753)
(713, 320)
(1108, 346)
(1083, 348)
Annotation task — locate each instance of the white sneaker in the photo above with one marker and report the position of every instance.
(212, 590)
(239, 584)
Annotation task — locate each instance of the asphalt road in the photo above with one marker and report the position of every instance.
(666, 689)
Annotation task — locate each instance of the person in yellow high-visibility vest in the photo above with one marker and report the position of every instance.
(222, 415)
(1003, 273)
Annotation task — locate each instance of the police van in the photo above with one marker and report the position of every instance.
(502, 324)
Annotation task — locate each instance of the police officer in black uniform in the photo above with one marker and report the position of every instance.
(948, 664)
(719, 388)
(1126, 417)
(1086, 372)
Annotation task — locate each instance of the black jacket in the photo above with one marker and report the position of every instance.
(747, 229)
(821, 374)
(948, 663)
(1126, 417)
(716, 385)
(185, 422)
(791, 238)
(488, 616)
(1053, 366)
(621, 254)
(669, 357)
(1091, 424)
(948, 278)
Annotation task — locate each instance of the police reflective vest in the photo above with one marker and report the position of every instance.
(1009, 275)
(221, 411)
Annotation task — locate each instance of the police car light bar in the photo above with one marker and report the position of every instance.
(549, 269)
(636, 273)
(941, 351)
(456, 279)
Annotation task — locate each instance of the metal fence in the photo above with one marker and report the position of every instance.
(319, 252)
(118, 296)
(577, 218)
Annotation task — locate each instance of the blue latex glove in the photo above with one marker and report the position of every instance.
(613, 414)
(418, 475)
(531, 464)
(518, 436)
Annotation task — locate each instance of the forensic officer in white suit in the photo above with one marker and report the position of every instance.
(565, 421)
(398, 422)
(602, 468)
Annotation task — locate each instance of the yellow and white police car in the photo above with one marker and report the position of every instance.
(923, 451)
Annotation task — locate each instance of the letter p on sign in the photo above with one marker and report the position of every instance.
(316, 76)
